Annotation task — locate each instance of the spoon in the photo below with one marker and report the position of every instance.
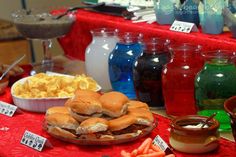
(79, 7)
(208, 119)
(11, 66)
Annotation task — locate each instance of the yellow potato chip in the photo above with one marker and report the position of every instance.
(44, 86)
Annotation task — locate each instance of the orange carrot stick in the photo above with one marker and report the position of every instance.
(144, 145)
(170, 155)
(150, 151)
(134, 153)
(145, 151)
(155, 148)
(123, 153)
(155, 154)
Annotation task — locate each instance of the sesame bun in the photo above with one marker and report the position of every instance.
(92, 125)
(137, 104)
(114, 104)
(86, 93)
(84, 108)
(58, 109)
(142, 116)
(60, 124)
(121, 122)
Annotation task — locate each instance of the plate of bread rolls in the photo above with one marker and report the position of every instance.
(90, 118)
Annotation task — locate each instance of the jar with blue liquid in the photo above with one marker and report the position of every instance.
(121, 62)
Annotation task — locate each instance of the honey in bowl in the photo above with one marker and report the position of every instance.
(187, 134)
(230, 108)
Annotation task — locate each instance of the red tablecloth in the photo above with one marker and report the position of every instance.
(75, 43)
(12, 129)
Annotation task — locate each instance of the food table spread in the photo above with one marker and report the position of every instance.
(75, 43)
(13, 128)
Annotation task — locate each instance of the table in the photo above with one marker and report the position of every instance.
(12, 129)
(75, 43)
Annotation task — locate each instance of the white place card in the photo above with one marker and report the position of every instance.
(33, 140)
(7, 109)
(160, 143)
(184, 27)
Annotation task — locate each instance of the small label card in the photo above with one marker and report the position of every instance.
(185, 27)
(7, 109)
(158, 141)
(33, 140)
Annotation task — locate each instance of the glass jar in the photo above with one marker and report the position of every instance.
(215, 83)
(121, 62)
(97, 53)
(147, 72)
(178, 80)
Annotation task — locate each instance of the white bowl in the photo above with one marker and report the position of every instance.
(37, 104)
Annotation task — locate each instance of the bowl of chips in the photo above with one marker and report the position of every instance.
(39, 92)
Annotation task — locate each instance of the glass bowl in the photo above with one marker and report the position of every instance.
(41, 23)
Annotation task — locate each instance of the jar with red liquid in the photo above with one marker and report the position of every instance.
(147, 72)
(178, 80)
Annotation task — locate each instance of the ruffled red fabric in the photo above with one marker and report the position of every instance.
(75, 43)
(13, 128)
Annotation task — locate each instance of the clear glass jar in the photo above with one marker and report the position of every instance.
(215, 83)
(178, 80)
(147, 72)
(97, 54)
(121, 62)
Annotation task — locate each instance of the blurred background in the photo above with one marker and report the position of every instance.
(11, 46)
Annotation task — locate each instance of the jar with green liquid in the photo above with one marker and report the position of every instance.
(215, 83)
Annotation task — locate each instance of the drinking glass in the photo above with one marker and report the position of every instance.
(164, 10)
(188, 12)
(211, 19)
(40, 24)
